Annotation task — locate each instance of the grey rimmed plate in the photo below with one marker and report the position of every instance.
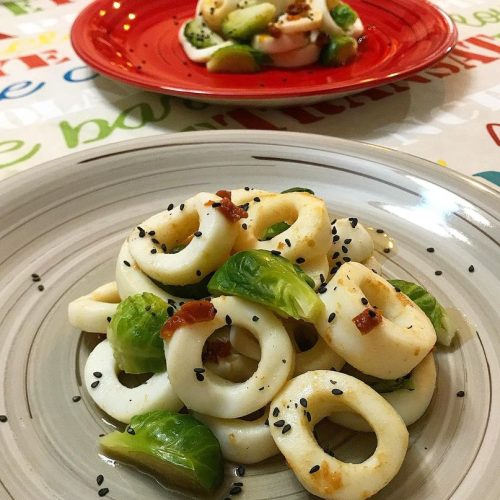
(65, 221)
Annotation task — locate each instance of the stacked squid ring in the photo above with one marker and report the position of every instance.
(266, 371)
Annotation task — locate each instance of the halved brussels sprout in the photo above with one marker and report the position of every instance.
(268, 279)
(344, 15)
(274, 230)
(177, 446)
(298, 190)
(134, 334)
(339, 51)
(385, 386)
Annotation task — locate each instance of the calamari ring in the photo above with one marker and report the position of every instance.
(130, 280)
(306, 400)
(317, 269)
(242, 196)
(410, 405)
(121, 402)
(212, 234)
(244, 342)
(207, 393)
(351, 242)
(396, 345)
(242, 441)
(90, 313)
(236, 367)
(307, 238)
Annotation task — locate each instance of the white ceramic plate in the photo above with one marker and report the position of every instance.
(65, 221)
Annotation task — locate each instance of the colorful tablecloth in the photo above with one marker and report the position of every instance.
(52, 104)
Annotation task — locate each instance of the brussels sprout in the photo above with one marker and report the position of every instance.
(298, 190)
(236, 59)
(343, 15)
(384, 386)
(134, 334)
(177, 446)
(200, 35)
(195, 291)
(339, 51)
(268, 279)
(274, 230)
(431, 307)
(242, 24)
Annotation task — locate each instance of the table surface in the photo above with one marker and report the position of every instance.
(52, 104)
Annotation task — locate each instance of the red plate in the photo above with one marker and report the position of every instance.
(135, 41)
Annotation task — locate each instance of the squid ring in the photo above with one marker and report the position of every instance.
(130, 280)
(204, 391)
(212, 235)
(309, 398)
(392, 348)
(242, 441)
(90, 313)
(308, 236)
(317, 269)
(411, 405)
(118, 401)
(236, 367)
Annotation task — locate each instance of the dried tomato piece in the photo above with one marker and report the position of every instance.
(190, 313)
(223, 193)
(215, 349)
(367, 320)
(231, 211)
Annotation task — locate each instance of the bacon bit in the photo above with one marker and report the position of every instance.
(190, 313)
(223, 193)
(298, 8)
(231, 211)
(274, 31)
(215, 349)
(367, 320)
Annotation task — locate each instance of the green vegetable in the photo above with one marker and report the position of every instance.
(274, 230)
(177, 446)
(200, 35)
(236, 59)
(134, 334)
(339, 51)
(195, 291)
(242, 24)
(343, 15)
(430, 306)
(298, 190)
(260, 276)
(384, 386)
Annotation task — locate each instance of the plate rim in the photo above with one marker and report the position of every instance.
(450, 38)
(440, 176)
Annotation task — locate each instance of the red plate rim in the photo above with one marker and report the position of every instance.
(95, 61)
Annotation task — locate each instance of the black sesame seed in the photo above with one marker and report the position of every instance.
(240, 470)
(438, 273)
(364, 301)
(35, 275)
(3, 418)
(336, 238)
(256, 199)
(246, 188)
(41, 288)
(181, 206)
(331, 317)
(75, 399)
(387, 250)
(261, 388)
(337, 392)
(346, 259)
(288, 243)
(171, 302)
(336, 255)
(170, 311)
(170, 207)
(354, 222)
(344, 249)
(372, 313)
(244, 226)
(300, 260)
(198, 273)
(303, 402)
(409, 327)
(36, 279)
(152, 233)
(216, 204)
(308, 416)
(255, 318)
(283, 361)
(322, 278)
(103, 492)
(97, 374)
(245, 206)
(322, 289)
(153, 251)
(334, 230)
(108, 319)
(228, 319)
(266, 422)
(460, 394)
(347, 241)
(197, 233)
(235, 490)
(276, 412)
(199, 370)
(279, 423)
(380, 231)
(164, 247)
(471, 269)
(314, 469)
(200, 377)
(430, 250)
(94, 384)
(286, 429)
(275, 252)
(237, 484)
(99, 479)
(131, 431)
(333, 222)
(155, 241)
